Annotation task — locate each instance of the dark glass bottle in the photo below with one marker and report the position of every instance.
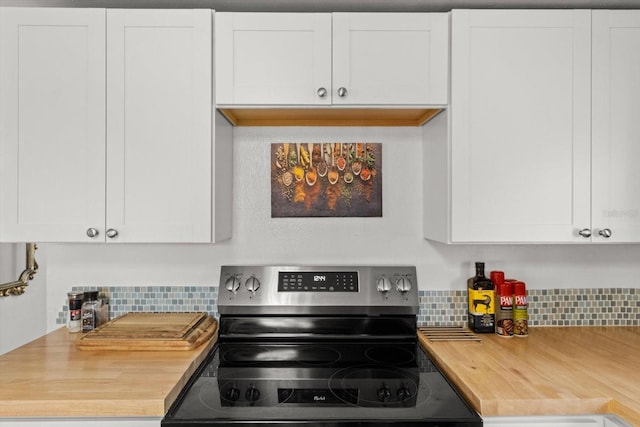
(482, 302)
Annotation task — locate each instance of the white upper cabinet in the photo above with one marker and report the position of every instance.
(390, 58)
(541, 141)
(616, 126)
(52, 123)
(340, 58)
(159, 123)
(122, 155)
(272, 58)
(510, 160)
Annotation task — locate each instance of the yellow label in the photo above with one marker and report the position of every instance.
(482, 302)
(520, 313)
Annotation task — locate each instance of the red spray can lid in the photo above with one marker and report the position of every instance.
(519, 288)
(497, 277)
(505, 289)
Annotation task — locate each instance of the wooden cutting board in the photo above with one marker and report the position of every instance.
(151, 331)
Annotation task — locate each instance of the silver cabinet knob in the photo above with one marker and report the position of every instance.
(342, 92)
(322, 92)
(112, 233)
(605, 232)
(92, 232)
(585, 232)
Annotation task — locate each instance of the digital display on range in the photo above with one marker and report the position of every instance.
(317, 281)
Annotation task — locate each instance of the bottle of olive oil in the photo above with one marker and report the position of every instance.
(482, 304)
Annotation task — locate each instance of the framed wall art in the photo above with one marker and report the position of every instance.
(326, 179)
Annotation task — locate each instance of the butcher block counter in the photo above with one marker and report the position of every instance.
(553, 371)
(51, 377)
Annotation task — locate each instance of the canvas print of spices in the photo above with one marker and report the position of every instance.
(326, 180)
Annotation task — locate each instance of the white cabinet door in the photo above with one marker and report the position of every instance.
(159, 125)
(273, 58)
(616, 125)
(286, 59)
(520, 129)
(52, 123)
(390, 58)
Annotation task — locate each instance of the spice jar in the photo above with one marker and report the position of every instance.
(103, 297)
(75, 311)
(90, 311)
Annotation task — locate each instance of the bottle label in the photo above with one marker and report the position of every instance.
(504, 317)
(520, 321)
(481, 310)
(506, 302)
(88, 320)
(481, 301)
(520, 300)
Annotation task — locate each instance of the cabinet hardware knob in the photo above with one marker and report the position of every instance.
(92, 232)
(112, 233)
(342, 92)
(605, 232)
(322, 92)
(585, 232)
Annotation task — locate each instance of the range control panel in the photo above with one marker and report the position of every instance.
(317, 281)
(317, 290)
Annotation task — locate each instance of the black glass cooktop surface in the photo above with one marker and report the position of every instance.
(320, 384)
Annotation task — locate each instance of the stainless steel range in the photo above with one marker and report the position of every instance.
(319, 346)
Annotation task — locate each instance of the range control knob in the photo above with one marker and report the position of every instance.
(232, 394)
(232, 284)
(252, 284)
(252, 394)
(384, 393)
(383, 284)
(404, 393)
(403, 284)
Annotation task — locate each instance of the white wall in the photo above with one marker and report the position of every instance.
(396, 238)
(22, 318)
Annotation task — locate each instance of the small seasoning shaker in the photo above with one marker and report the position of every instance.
(520, 310)
(90, 311)
(75, 311)
(103, 297)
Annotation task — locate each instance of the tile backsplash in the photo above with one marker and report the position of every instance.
(126, 299)
(547, 307)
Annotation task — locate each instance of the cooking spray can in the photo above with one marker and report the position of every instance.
(520, 310)
(504, 305)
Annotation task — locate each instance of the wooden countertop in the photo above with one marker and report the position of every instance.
(553, 371)
(50, 377)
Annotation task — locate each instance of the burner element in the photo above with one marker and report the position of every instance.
(375, 384)
(389, 355)
(243, 355)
